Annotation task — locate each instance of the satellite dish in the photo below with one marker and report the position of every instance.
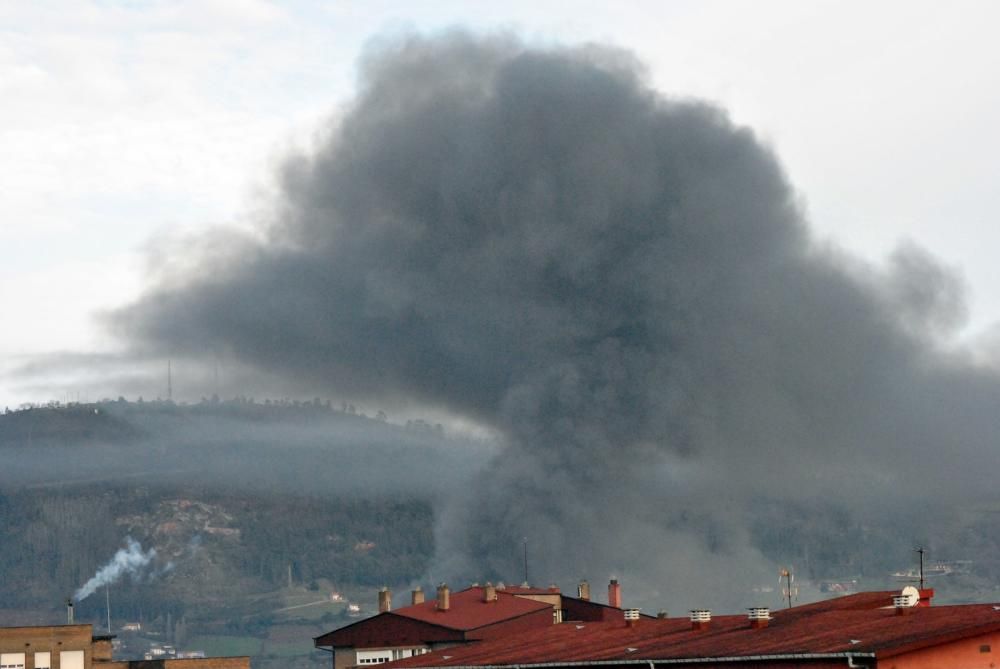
(912, 595)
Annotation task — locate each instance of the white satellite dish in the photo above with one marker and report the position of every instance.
(912, 595)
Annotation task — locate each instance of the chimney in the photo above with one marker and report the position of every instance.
(700, 618)
(384, 600)
(631, 617)
(443, 602)
(583, 591)
(489, 593)
(417, 596)
(614, 594)
(759, 617)
(902, 604)
(69, 611)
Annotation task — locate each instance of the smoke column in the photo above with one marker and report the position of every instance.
(621, 285)
(128, 560)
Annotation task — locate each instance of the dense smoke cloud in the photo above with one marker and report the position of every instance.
(620, 284)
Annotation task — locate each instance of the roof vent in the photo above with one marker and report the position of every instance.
(631, 617)
(759, 616)
(700, 618)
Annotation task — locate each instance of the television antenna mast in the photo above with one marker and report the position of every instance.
(785, 579)
(920, 551)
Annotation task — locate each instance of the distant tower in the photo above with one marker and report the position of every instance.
(170, 382)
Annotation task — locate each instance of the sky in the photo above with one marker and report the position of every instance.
(127, 124)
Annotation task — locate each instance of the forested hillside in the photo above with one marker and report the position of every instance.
(267, 519)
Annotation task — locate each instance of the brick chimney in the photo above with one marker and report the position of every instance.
(700, 619)
(443, 600)
(759, 617)
(384, 600)
(631, 617)
(489, 592)
(417, 596)
(614, 594)
(583, 591)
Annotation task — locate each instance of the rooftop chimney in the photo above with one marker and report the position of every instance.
(384, 600)
(69, 611)
(700, 618)
(417, 596)
(583, 591)
(631, 617)
(759, 617)
(443, 601)
(903, 603)
(614, 594)
(489, 593)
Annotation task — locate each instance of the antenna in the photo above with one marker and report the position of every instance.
(170, 383)
(526, 561)
(787, 590)
(107, 599)
(920, 551)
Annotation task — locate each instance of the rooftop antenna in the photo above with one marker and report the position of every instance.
(920, 551)
(170, 382)
(787, 589)
(526, 562)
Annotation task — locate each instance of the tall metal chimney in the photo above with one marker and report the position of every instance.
(384, 600)
(614, 594)
(443, 601)
(583, 591)
(417, 596)
(69, 611)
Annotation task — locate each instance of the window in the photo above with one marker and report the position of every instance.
(374, 656)
(71, 659)
(43, 661)
(11, 660)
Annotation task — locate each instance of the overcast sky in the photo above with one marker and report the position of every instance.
(123, 123)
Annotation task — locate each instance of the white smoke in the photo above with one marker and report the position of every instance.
(128, 560)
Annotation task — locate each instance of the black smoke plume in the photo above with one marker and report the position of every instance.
(621, 285)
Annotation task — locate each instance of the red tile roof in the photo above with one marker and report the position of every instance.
(852, 625)
(468, 611)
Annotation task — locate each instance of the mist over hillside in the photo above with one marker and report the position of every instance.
(302, 448)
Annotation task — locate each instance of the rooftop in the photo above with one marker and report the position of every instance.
(859, 625)
(468, 611)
